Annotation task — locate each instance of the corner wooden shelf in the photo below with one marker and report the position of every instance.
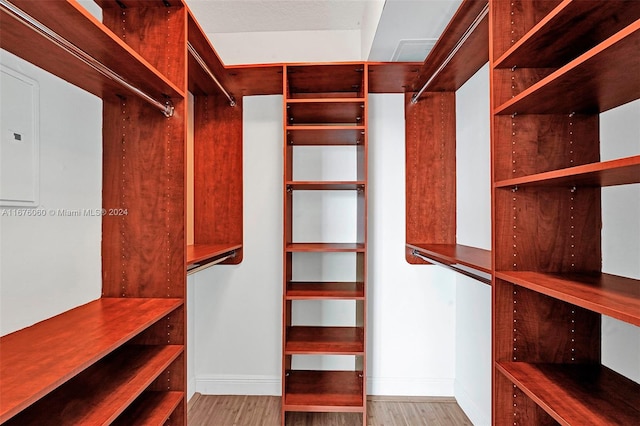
(324, 135)
(571, 394)
(541, 47)
(308, 340)
(621, 171)
(39, 359)
(326, 112)
(470, 261)
(604, 77)
(325, 247)
(323, 391)
(612, 295)
(298, 290)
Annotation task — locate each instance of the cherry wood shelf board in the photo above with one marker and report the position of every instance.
(469, 58)
(40, 358)
(338, 113)
(101, 393)
(330, 80)
(472, 257)
(298, 290)
(325, 185)
(325, 247)
(573, 393)
(75, 24)
(393, 77)
(612, 295)
(590, 23)
(323, 391)
(197, 253)
(596, 81)
(152, 407)
(311, 340)
(322, 135)
(623, 171)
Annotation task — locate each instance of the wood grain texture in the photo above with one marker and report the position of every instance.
(151, 408)
(430, 170)
(298, 290)
(325, 80)
(324, 340)
(472, 257)
(383, 411)
(102, 392)
(201, 252)
(393, 77)
(218, 217)
(40, 358)
(326, 112)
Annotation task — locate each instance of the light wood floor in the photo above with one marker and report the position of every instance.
(215, 410)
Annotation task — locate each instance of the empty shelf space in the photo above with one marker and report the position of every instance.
(202, 253)
(328, 111)
(325, 185)
(612, 295)
(331, 81)
(622, 171)
(325, 290)
(150, 408)
(596, 81)
(323, 391)
(325, 247)
(590, 23)
(102, 392)
(470, 261)
(325, 135)
(40, 358)
(573, 393)
(324, 340)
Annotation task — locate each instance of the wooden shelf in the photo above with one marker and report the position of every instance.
(590, 23)
(324, 340)
(99, 395)
(325, 247)
(328, 111)
(457, 257)
(151, 407)
(325, 80)
(623, 171)
(203, 253)
(393, 77)
(297, 290)
(323, 391)
(612, 295)
(38, 359)
(577, 394)
(604, 77)
(325, 185)
(325, 135)
(75, 24)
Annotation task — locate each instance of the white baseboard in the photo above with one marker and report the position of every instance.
(477, 415)
(408, 386)
(238, 385)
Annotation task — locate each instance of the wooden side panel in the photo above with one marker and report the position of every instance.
(430, 170)
(218, 172)
(143, 246)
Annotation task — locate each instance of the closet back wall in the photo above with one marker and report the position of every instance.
(51, 263)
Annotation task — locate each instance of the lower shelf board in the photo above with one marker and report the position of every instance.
(297, 290)
(151, 408)
(577, 394)
(104, 391)
(324, 391)
(324, 340)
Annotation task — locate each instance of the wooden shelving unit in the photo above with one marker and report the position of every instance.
(549, 292)
(120, 359)
(324, 106)
(431, 145)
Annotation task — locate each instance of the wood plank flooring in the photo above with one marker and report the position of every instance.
(243, 410)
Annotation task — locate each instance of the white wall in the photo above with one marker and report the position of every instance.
(51, 264)
(473, 215)
(238, 308)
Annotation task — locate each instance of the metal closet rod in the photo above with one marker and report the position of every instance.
(206, 69)
(453, 52)
(26, 19)
(480, 276)
(205, 265)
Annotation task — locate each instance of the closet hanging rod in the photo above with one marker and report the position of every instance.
(453, 52)
(26, 19)
(206, 69)
(197, 268)
(480, 276)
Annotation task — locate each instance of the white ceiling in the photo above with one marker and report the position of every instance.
(387, 30)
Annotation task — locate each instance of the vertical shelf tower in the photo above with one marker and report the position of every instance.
(549, 86)
(325, 109)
